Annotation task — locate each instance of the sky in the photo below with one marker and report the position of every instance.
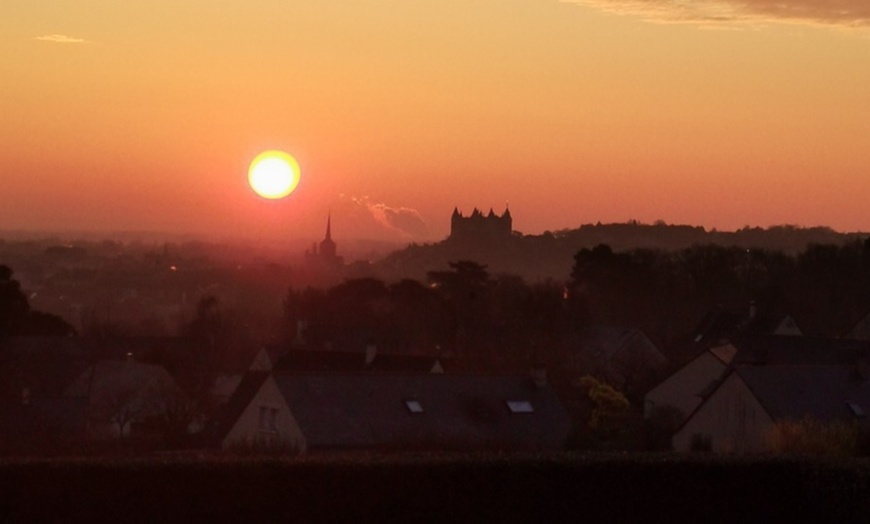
(144, 116)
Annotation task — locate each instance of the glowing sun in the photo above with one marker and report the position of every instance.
(273, 174)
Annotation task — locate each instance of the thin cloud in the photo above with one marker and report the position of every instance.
(60, 39)
(403, 222)
(847, 13)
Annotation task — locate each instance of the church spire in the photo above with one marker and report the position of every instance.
(329, 226)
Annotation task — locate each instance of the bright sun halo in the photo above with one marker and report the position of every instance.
(273, 174)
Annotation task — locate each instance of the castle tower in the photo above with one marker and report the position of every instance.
(478, 227)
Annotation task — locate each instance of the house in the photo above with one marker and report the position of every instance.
(42, 423)
(687, 387)
(684, 390)
(623, 357)
(267, 357)
(311, 412)
(740, 413)
(720, 326)
(770, 350)
(122, 394)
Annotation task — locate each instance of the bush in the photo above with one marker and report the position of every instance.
(812, 437)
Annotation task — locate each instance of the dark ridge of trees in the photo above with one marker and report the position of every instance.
(462, 310)
(548, 255)
(826, 288)
(16, 317)
(466, 310)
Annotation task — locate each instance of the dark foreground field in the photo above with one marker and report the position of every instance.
(413, 488)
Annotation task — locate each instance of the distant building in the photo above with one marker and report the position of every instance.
(325, 253)
(479, 227)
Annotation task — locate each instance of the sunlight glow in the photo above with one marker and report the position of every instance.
(273, 174)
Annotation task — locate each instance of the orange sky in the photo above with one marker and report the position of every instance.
(144, 116)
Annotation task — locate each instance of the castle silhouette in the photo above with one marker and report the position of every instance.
(478, 227)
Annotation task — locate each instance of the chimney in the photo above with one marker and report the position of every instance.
(753, 309)
(539, 376)
(25, 396)
(371, 352)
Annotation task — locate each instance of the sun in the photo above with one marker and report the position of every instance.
(273, 174)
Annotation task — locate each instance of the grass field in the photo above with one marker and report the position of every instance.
(435, 488)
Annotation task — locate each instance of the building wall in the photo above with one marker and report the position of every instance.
(682, 389)
(732, 419)
(247, 429)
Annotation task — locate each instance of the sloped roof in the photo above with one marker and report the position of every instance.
(250, 384)
(792, 392)
(803, 351)
(274, 352)
(59, 416)
(721, 325)
(607, 341)
(365, 411)
(861, 329)
(724, 353)
(44, 365)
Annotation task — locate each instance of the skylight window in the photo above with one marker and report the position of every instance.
(414, 406)
(520, 406)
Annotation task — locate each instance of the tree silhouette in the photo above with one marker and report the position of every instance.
(16, 317)
(14, 308)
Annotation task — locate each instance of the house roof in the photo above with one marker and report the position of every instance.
(861, 329)
(608, 341)
(804, 351)
(58, 416)
(721, 325)
(353, 411)
(250, 384)
(823, 392)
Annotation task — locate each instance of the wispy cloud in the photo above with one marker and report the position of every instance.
(403, 222)
(60, 39)
(849, 13)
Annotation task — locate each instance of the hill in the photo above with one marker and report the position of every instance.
(551, 255)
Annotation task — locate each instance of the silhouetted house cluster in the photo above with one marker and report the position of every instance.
(478, 227)
(64, 391)
(730, 398)
(314, 400)
(721, 325)
(623, 357)
(309, 412)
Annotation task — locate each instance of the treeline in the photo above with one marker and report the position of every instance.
(468, 311)
(462, 310)
(825, 288)
(17, 318)
(548, 255)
